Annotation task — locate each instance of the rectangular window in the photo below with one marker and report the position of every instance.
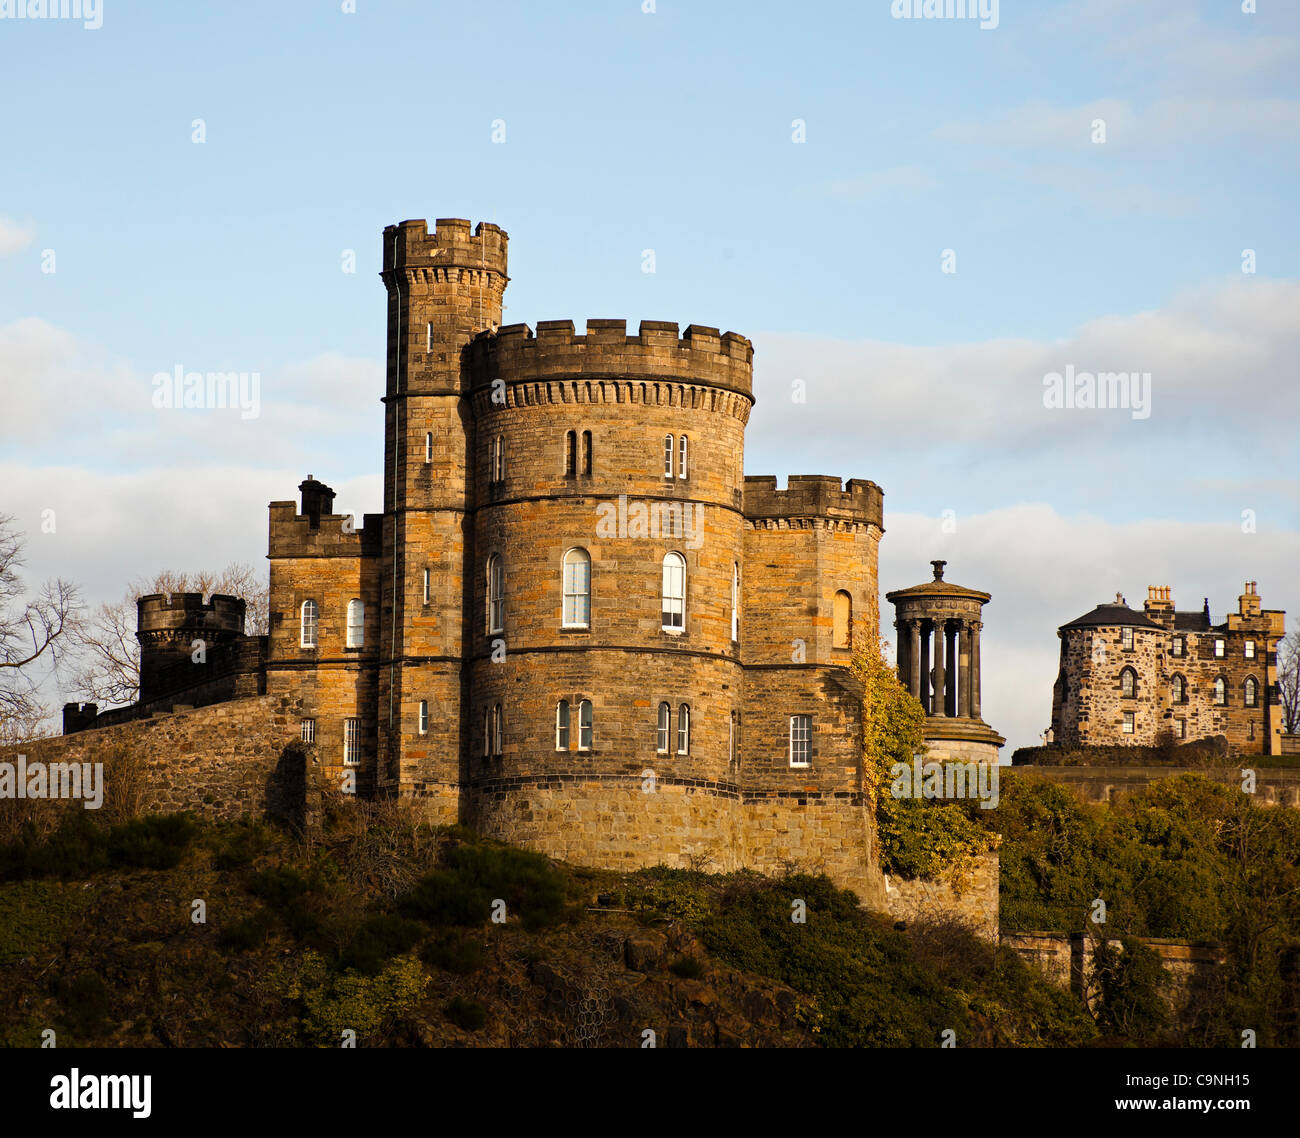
(1126, 638)
(662, 729)
(351, 742)
(424, 717)
(1219, 650)
(1182, 728)
(683, 730)
(356, 632)
(309, 730)
(1250, 649)
(681, 457)
(668, 456)
(428, 446)
(428, 337)
(800, 740)
(731, 740)
(426, 586)
(1177, 649)
(1128, 723)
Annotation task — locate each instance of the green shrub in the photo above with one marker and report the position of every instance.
(455, 952)
(279, 887)
(468, 1015)
(367, 1005)
(379, 938)
(156, 841)
(249, 933)
(241, 843)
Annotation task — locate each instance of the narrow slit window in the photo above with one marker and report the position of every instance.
(496, 580)
(668, 456)
(684, 730)
(584, 725)
(428, 446)
(681, 457)
(570, 453)
(663, 727)
(562, 725)
(424, 717)
(586, 453)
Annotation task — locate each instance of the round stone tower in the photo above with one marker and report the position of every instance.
(611, 463)
(167, 625)
(938, 627)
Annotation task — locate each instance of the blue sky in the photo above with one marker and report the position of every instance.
(672, 131)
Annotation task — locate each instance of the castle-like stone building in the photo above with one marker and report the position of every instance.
(1129, 677)
(577, 625)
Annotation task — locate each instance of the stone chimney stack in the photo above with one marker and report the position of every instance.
(317, 499)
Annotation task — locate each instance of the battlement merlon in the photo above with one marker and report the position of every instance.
(700, 355)
(411, 246)
(162, 612)
(338, 535)
(814, 496)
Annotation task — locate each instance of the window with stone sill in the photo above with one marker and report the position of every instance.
(1250, 649)
(1126, 639)
(1220, 650)
(800, 740)
(1129, 723)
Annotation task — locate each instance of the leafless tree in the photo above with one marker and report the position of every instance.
(36, 631)
(110, 670)
(1288, 680)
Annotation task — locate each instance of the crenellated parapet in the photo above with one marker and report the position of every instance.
(165, 613)
(657, 365)
(450, 252)
(813, 498)
(337, 535)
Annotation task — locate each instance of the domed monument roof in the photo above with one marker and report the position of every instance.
(938, 588)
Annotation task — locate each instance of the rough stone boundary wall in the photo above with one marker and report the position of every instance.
(925, 898)
(222, 761)
(1273, 786)
(1068, 959)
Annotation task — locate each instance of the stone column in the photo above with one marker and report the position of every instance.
(975, 669)
(914, 658)
(950, 669)
(923, 666)
(938, 638)
(966, 661)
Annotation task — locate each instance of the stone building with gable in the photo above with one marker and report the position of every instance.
(1129, 677)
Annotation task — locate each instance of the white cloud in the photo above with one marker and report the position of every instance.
(14, 236)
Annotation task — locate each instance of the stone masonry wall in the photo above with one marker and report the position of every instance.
(223, 761)
(976, 903)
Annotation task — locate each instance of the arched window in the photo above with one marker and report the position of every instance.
(684, 730)
(487, 731)
(499, 460)
(307, 625)
(681, 457)
(570, 453)
(496, 584)
(735, 600)
(584, 725)
(673, 607)
(562, 725)
(577, 589)
(842, 620)
(356, 624)
(496, 730)
(428, 446)
(1251, 687)
(668, 456)
(1221, 691)
(586, 452)
(664, 726)
(1178, 689)
(1128, 682)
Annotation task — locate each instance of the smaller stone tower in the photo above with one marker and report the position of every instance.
(938, 627)
(167, 627)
